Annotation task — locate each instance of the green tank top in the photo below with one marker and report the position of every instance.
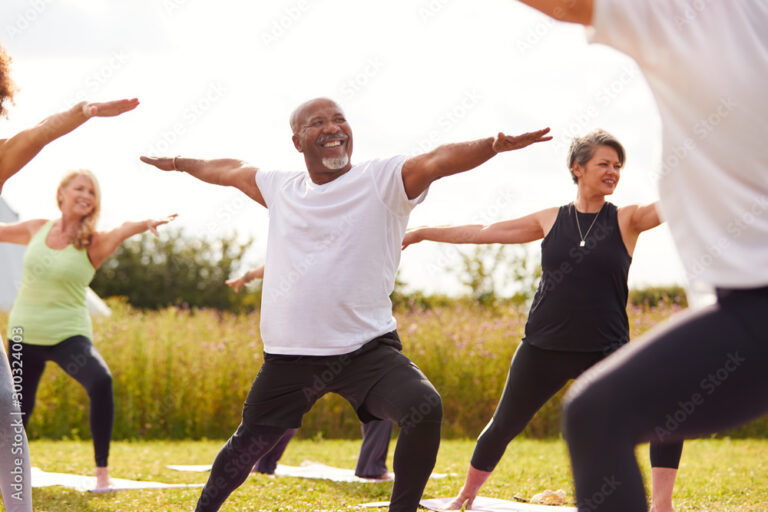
(50, 306)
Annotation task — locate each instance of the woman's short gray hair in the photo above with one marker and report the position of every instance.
(582, 148)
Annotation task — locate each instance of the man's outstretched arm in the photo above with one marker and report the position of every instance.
(227, 172)
(575, 11)
(420, 171)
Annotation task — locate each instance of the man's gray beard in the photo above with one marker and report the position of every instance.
(336, 163)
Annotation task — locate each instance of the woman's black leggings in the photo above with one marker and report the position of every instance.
(79, 358)
(535, 375)
(700, 373)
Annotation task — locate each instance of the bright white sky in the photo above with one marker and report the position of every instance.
(219, 79)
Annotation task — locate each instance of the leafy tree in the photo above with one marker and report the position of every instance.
(175, 270)
(493, 271)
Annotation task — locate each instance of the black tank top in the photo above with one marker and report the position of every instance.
(581, 302)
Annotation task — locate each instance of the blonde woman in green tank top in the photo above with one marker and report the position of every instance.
(49, 320)
(15, 153)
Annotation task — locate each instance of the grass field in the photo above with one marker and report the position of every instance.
(716, 475)
(175, 379)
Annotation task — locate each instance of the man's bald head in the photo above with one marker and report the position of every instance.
(299, 112)
(322, 134)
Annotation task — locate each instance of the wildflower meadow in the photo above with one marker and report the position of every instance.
(184, 374)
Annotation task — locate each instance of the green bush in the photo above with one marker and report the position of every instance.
(654, 296)
(175, 269)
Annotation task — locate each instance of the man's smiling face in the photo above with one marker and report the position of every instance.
(321, 133)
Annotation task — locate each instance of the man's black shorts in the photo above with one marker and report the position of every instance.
(287, 386)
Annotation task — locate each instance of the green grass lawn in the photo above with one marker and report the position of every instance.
(715, 475)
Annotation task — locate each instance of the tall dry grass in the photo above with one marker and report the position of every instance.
(184, 374)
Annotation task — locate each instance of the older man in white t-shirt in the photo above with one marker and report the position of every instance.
(706, 62)
(334, 245)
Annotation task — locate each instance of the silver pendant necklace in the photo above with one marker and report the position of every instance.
(583, 237)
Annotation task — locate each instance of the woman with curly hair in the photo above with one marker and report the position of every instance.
(15, 152)
(7, 87)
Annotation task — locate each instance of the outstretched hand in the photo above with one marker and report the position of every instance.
(250, 275)
(161, 162)
(153, 224)
(238, 283)
(109, 108)
(510, 142)
(412, 236)
(459, 503)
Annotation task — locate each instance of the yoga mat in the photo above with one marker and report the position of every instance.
(322, 472)
(42, 478)
(482, 505)
(194, 468)
(306, 470)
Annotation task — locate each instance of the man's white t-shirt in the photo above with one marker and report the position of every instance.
(332, 254)
(707, 64)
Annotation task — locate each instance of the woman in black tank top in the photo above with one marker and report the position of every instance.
(578, 315)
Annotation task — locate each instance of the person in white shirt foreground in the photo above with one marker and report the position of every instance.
(704, 371)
